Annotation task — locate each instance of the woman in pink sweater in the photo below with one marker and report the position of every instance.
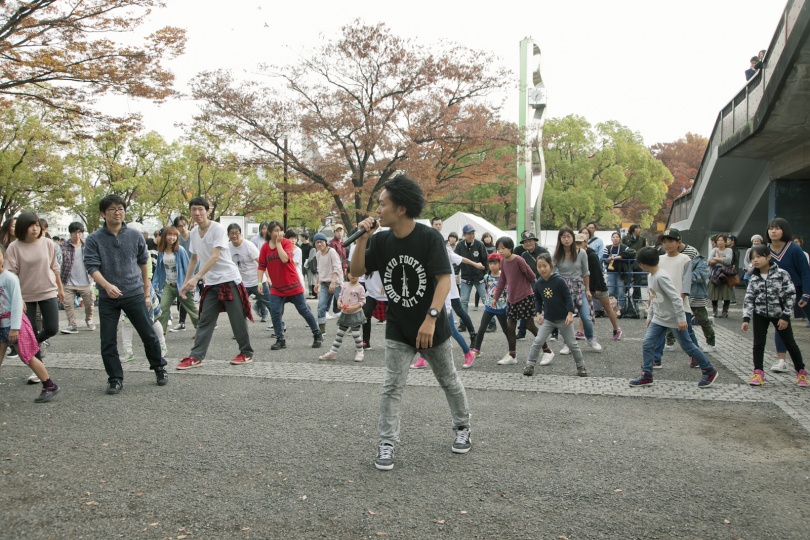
(519, 277)
(32, 259)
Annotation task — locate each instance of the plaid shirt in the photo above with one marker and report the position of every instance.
(68, 254)
(224, 294)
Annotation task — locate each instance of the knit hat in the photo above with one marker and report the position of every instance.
(319, 236)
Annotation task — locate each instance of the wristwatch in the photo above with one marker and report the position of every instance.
(433, 312)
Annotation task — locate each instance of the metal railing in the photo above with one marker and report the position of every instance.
(735, 119)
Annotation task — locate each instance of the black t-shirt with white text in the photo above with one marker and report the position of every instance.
(409, 268)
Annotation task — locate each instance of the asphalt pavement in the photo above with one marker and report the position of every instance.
(284, 447)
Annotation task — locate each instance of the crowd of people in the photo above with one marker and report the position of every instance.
(406, 276)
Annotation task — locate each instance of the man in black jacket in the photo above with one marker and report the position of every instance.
(471, 277)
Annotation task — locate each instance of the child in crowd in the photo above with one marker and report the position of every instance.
(350, 303)
(493, 306)
(554, 306)
(154, 315)
(769, 300)
(16, 329)
(666, 311)
(519, 277)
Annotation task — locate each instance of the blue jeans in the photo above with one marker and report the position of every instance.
(262, 297)
(690, 329)
(325, 299)
(109, 313)
(300, 303)
(654, 340)
(585, 316)
(615, 283)
(464, 290)
(455, 333)
(398, 358)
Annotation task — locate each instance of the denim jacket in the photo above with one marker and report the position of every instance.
(181, 259)
(700, 278)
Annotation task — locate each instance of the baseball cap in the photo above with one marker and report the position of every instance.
(527, 235)
(467, 229)
(579, 237)
(338, 226)
(674, 234)
(494, 257)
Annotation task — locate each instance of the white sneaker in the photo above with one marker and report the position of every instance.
(90, 325)
(329, 316)
(565, 350)
(547, 358)
(331, 355)
(33, 379)
(359, 356)
(669, 348)
(709, 349)
(779, 367)
(506, 360)
(594, 345)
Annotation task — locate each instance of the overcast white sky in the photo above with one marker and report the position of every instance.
(660, 67)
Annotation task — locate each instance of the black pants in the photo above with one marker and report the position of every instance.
(109, 314)
(50, 317)
(482, 329)
(761, 324)
(368, 309)
(465, 318)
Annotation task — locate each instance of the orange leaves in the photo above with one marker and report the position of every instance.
(51, 43)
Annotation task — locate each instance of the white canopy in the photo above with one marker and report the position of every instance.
(455, 222)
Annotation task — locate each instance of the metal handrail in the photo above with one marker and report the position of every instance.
(736, 116)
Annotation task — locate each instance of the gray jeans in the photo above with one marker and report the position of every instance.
(398, 357)
(567, 333)
(208, 321)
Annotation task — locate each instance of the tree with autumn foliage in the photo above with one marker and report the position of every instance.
(360, 109)
(61, 53)
(682, 158)
(602, 173)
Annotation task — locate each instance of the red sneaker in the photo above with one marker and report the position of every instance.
(241, 359)
(188, 362)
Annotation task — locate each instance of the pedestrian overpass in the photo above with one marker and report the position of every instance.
(757, 163)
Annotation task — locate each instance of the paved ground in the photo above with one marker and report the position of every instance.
(283, 448)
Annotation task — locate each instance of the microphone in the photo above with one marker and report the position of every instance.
(357, 234)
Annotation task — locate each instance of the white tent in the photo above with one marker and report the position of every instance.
(455, 222)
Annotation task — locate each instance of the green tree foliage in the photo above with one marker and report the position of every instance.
(602, 173)
(363, 108)
(30, 162)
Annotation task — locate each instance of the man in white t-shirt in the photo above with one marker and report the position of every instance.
(246, 257)
(224, 290)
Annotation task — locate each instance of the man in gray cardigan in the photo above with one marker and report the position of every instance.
(116, 257)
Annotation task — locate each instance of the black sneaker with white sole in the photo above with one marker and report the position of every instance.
(161, 376)
(115, 386)
(463, 441)
(385, 457)
(179, 328)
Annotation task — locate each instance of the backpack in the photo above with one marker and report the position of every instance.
(311, 264)
(630, 308)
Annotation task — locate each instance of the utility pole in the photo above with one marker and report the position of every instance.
(285, 184)
(531, 164)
